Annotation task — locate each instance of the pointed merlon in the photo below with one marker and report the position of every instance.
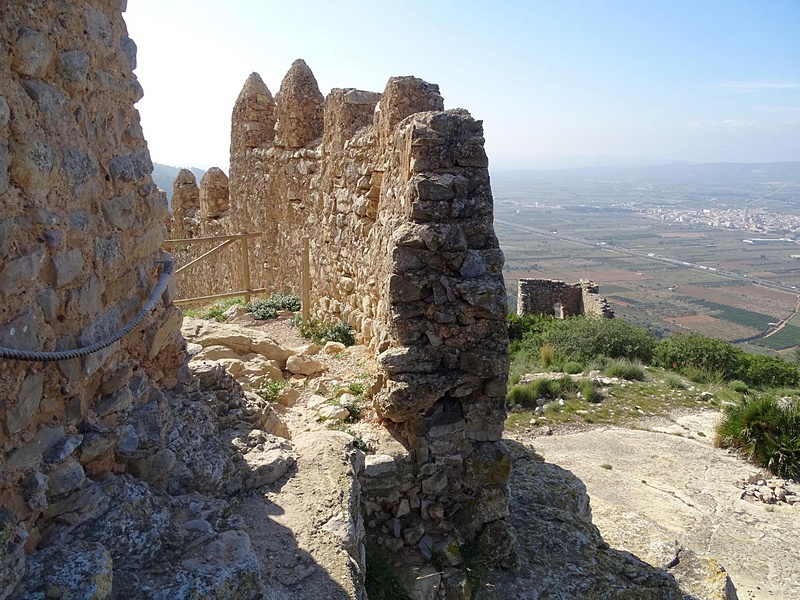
(214, 194)
(300, 108)
(185, 204)
(253, 118)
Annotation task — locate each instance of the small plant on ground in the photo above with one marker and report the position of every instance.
(271, 390)
(674, 382)
(381, 580)
(737, 385)
(320, 332)
(625, 370)
(214, 312)
(589, 391)
(268, 309)
(606, 466)
(766, 431)
(573, 368)
(358, 440)
(546, 354)
(702, 375)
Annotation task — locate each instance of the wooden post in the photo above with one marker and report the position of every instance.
(246, 269)
(306, 299)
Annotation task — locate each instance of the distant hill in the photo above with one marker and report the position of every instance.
(676, 172)
(164, 175)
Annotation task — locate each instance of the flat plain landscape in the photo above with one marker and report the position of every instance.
(665, 244)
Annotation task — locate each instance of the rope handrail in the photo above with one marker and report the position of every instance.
(33, 356)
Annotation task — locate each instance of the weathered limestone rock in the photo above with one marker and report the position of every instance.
(239, 339)
(561, 554)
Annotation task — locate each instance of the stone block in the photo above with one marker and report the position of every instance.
(116, 402)
(51, 102)
(29, 456)
(21, 333)
(68, 266)
(49, 303)
(19, 416)
(73, 66)
(32, 165)
(32, 53)
(3, 167)
(5, 112)
(108, 251)
(6, 229)
(68, 476)
(170, 324)
(19, 273)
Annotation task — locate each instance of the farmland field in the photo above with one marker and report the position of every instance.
(667, 275)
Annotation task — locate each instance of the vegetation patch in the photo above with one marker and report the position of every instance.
(767, 431)
(215, 311)
(381, 580)
(268, 309)
(320, 332)
(271, 390)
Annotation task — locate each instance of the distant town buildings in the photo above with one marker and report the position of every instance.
(745, 219)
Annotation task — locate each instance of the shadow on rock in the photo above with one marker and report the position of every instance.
(167, 529)
(561, 554)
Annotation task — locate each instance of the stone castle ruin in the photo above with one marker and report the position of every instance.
(560, 299)
(393, 193)
(124, 469)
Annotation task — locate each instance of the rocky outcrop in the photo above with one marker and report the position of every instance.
(561, 554)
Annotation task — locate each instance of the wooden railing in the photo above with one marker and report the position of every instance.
(226, 240)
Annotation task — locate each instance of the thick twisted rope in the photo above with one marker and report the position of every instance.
(28, 355)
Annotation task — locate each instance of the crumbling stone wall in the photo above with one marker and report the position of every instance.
(80, 230)
(393, 193)
(560, 299)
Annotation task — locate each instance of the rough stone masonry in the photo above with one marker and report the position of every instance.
(80, 229)
(393, 193)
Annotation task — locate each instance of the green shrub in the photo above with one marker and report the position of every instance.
(268, 309)
(766, 432)
(583, 339)
(546, 353)
(674, 382)
(573, 368)
(625, 370)
(699, 353)
(262, 310)
(589, 390)
(320, 332)
(271, 390)
(215, 311)
(737, 385)
(700, 375)
(768, 371)
(381, 580)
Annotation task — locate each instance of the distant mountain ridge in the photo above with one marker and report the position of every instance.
(164, 175)
(678, 172)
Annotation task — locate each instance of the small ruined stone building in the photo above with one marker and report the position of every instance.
(560, 299)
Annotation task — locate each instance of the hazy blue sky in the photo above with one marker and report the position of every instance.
(684, 80)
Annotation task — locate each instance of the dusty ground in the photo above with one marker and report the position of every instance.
(662, 480)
